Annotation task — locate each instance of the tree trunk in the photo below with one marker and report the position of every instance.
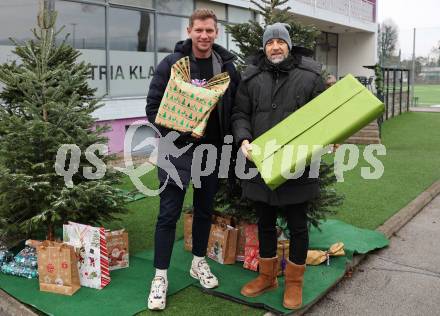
(50, 235)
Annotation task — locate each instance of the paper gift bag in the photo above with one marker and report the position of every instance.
(186, 107)
(118, 251)
(330, 118)
(241, 241)
(251, 248)
(217, 218)
(91, 248)
(222, 243)
(57, 268)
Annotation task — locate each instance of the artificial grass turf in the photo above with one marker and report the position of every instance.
(411, 165)
(428, 94)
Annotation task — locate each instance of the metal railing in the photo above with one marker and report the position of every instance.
(359, 9)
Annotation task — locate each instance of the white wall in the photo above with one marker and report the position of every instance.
(355, 51)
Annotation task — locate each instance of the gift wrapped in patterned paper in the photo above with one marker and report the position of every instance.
(186, 105)
(27, 257)
(14, 268)
(5, 255)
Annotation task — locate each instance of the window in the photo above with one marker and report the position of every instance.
(221, 38)
(218, 8)
(146, 4)
(327, 52)
(131, 41)
(17, 26)
(85, 26)
(170, 30)
(239, 15)
(131, 30)
(180, 7)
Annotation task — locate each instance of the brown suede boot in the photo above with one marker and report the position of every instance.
(293, 284)
(265, 281)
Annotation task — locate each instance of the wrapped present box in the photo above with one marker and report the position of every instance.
(186, 104)
(5, 255)
(330, 118)
(251, 248)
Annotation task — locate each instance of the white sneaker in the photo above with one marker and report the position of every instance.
(158, 294)
(201, 272)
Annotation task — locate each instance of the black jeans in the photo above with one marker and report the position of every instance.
(296, 215)
(171, 202)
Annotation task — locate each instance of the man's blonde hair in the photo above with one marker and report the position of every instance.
(202, 14)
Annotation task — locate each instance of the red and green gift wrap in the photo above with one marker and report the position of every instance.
(330, 118)
(251, 248)
(186, 107)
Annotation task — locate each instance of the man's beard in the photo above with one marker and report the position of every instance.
(276, 59)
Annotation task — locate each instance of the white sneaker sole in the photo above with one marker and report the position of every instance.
(194, 275)
(156, 308)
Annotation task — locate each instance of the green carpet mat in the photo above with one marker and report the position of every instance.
(132, 196)
(317, 279)
(127, 291)
(125, 295)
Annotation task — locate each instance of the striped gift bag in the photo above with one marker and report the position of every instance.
(91, 248)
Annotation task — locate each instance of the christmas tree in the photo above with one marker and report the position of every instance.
(248, 37)
(45, 103)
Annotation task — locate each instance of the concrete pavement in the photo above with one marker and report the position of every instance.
(403, 279)
(434, 108)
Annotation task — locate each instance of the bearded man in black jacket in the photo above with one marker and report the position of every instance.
(275, 85)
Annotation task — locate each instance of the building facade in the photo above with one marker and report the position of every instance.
(124, 40)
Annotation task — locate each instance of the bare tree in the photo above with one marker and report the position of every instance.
(434, 56)
(387, 40)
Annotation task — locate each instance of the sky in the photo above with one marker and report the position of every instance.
(424, 15)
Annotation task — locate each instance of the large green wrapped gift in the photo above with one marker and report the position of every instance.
(330, 118)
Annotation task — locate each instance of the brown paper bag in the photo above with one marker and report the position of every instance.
(57, 268)
(117, 246)
(222, 244)
(217, 218)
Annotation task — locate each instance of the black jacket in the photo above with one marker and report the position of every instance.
(224, 59)
(162, 75)
(267, 94)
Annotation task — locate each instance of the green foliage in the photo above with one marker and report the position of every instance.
(248, 36)
(378, 81)
(46, 102)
